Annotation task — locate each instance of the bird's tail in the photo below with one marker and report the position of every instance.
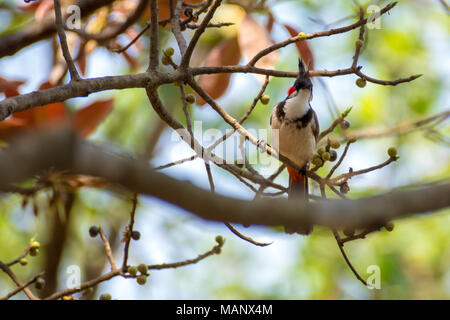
(298, 189)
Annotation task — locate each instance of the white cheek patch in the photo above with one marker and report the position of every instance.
(298, 105)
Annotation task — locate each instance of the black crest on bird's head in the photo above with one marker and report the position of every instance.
(303, 80)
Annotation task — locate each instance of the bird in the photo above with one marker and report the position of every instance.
(294, 134)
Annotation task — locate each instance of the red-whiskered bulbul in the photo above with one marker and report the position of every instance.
(298, 131)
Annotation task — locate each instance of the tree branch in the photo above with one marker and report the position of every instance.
(64, 151)
(12, 43)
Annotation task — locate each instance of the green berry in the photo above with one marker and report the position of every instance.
(141, 280)
(88, 291)
(23, 262)
(265, 99)
(35, 245)
(132, 270)
(321, 151)
(34, 252)
(360, 82)
(301, 36)
(93, 231)
(317, 161)
(392, 152)
(142, 268)
(190, 98)
(335, 144)
(344, 188)
(389, 226)
(136, 235)
(326, 156)
(165, 60)
(349, 232)
(220, 240)
(169, 51)
(105, 296)
(359, 43)
(40, 283)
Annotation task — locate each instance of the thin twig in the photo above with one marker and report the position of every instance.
(215, 250)
(175, 22)
(345, 176)
(22, 287)
(6, 269)
(108, 250)
(340, 159)
(304, 37)
(120, 50)
(361, 39)
(246, 238)
(187, 55)
(174, 163)
(129, 231)
(210, 25)
(154, 61)
(347, 260)
(244, 117)
(23, 255)
(186, 109)
(63, 40)
(111, 33)
(338, 240)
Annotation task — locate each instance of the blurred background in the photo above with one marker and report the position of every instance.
(414, 258)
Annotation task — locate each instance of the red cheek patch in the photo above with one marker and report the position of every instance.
(291, 89)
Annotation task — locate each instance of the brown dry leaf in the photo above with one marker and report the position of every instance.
(224, 54)
(302, 47)
(253, 38)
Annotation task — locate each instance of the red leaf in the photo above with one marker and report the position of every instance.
(302, 47)
(10, 87)
(86, 120)
(225, 53)
(11, 127)
(50, 114)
